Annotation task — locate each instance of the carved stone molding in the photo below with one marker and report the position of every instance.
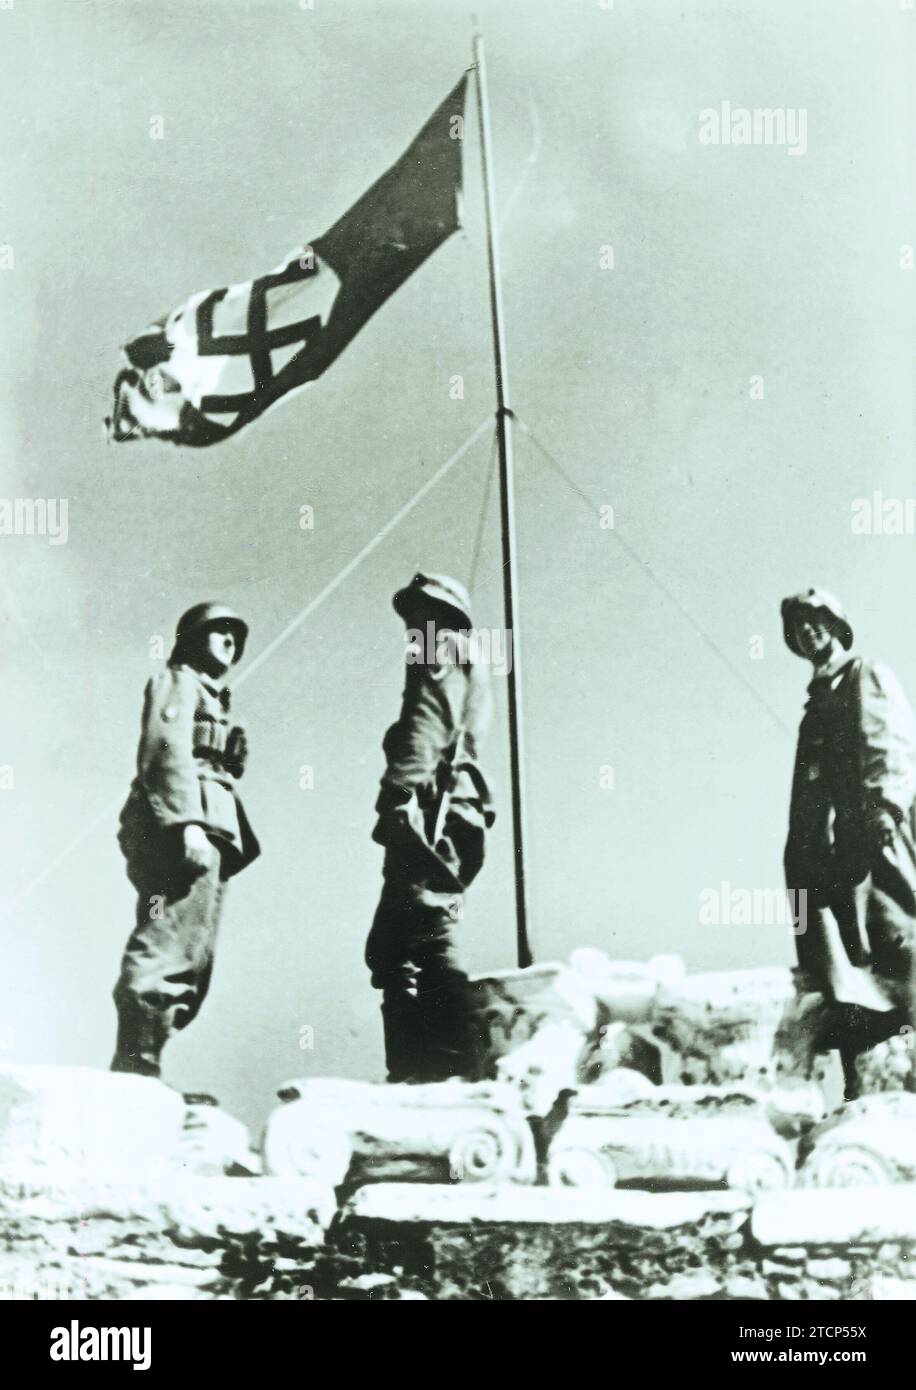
(677, 1135)
(458, 1131)
(871, 1142)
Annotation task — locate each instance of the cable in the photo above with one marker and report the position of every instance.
(268, 651)
(357, 560)
(647, 569)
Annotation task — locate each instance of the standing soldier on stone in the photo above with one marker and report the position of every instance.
(183, 833)
(433, 814)
(852, 833)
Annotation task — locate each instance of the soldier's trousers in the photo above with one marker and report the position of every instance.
(427, 1001)
(166, 968)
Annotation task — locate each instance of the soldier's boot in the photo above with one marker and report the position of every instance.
(403, 1036)
(477, 1062)
(852, 1086)
(141, 1038)
(448, 1040)
(861, 1031)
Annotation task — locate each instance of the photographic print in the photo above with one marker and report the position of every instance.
(457, 757)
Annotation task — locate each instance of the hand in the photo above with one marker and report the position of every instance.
(884, 830)
(198, 851)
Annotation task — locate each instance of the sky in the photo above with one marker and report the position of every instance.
(730, 385)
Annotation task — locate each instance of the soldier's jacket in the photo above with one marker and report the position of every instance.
(856, 757)
(433, 794)
(189, 759)
(852, 841)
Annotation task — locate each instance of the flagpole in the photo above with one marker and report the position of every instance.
(507, 510)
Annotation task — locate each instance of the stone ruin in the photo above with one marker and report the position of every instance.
(636, 1131)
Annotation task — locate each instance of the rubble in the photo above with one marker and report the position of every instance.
(638, 1132)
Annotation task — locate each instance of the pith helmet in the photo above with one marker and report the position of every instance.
(434, 591)
(204, 615)
(814, 598)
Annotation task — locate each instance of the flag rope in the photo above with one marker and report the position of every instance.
(59, 858)
(268, 651)
(647, 569)
(357, 560)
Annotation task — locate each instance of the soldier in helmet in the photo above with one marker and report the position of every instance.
(183, 833)
(433, 813)
(852, 832)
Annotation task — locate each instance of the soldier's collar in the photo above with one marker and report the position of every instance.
(219, 692)
(212, 687)
(828, 674)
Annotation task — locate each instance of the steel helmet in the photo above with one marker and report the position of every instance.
(814, 599)
(433, 590)
(204, 615)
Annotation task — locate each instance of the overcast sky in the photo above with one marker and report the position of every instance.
(729, 263)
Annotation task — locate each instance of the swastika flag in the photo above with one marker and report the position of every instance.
(225, 356)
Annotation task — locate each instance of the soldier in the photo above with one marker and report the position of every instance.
(183, 833)
(852, 832)
(433, 813)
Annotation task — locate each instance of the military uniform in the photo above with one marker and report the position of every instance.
(852, 840)
(434, 810)
(189, 760)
